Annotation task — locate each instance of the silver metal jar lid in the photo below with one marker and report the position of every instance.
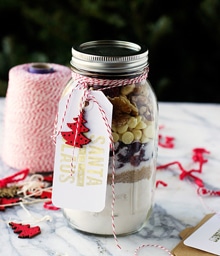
(109, 56)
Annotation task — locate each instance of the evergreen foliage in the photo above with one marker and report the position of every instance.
(183, 38)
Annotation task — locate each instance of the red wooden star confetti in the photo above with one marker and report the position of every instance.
(7, 202)
(25, 231)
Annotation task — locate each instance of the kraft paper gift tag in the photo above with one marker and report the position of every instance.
(182, 250)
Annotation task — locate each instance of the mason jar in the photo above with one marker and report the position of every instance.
(121, 69)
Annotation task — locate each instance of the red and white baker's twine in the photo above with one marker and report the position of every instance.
(30, 109)
(152, 245)
(84, 82)
(108, 83)
(56, 131)
(113, 163)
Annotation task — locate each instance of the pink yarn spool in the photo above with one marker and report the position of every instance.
(33, 94)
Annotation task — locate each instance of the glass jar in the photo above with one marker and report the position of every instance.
(130, 195)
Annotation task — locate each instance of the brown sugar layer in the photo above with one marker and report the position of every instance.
(131, 176)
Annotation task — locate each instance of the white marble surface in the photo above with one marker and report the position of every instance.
(176, 206)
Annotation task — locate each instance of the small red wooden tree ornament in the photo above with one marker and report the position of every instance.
(76, 138)
(25, 231)
(7, 202)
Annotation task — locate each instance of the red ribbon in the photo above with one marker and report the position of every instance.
(160, 182)
(166, 142)
(197, 157)
(18, 176)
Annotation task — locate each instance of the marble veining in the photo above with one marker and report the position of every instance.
(177, 206)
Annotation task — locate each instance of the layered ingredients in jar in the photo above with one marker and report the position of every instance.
(134, 131)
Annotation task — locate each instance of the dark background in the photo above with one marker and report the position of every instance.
(183, 38)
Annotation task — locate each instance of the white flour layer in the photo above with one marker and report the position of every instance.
(132, 207)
